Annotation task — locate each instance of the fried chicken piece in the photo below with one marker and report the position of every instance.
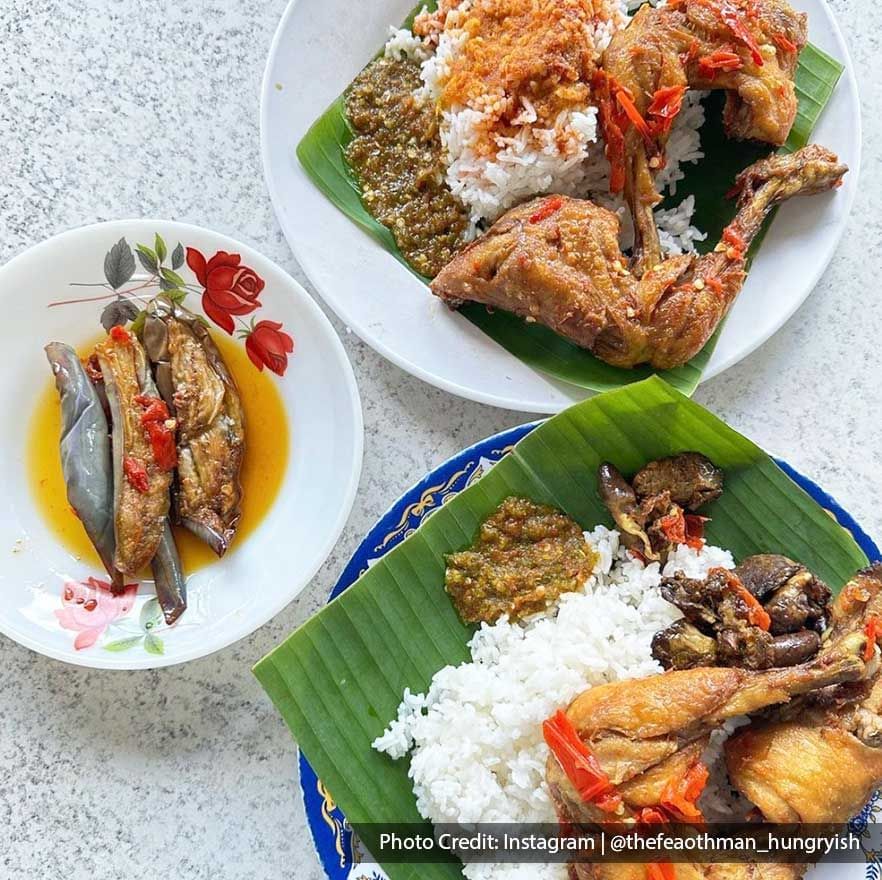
(646, 733)
(749, 48)
(836, 733)
(556, 260)
(642, 726)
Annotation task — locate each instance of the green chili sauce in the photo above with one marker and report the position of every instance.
(397, 158)
(524, 557)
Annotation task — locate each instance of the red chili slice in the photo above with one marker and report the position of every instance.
(784, 44)
(756, 614)
(679, 797)
(136, 474)
(734, 20)
(872, 630)
(547, 208)
(579, 763)
(623, 96)
(721, 59)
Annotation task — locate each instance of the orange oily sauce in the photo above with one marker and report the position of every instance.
(266, 457)
(539, 50)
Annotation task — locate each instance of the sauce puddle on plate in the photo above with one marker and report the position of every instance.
(266, 458)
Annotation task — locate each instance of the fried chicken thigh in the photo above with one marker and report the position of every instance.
(837, 733)
(748, 48)
(556, 260)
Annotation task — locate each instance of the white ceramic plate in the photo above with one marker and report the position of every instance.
(319, 48)
(43, 585)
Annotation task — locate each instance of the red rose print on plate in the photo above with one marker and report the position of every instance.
(269, 346)
(90, 606)
(230, 288)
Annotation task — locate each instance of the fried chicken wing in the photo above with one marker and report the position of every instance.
(556, 260)
(748, 48)
(837, 733)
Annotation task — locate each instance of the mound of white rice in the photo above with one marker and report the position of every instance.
(567, 158)
(475, 739)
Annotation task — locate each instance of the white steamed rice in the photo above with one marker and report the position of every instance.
(567, 158)
(475, 739)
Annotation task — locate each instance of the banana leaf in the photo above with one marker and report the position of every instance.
(339, 678)
(321, 153)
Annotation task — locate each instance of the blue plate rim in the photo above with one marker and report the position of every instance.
(335, 849)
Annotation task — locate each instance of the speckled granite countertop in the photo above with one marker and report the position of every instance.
(127, 108)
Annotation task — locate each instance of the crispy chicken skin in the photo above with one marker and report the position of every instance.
(749, 48)
(836, 733)
(556, 260)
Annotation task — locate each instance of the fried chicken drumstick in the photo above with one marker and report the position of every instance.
(556, 260)
(748, 48)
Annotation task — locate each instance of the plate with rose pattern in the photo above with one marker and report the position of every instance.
(303, 442)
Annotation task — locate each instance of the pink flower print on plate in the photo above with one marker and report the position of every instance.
(90, 607)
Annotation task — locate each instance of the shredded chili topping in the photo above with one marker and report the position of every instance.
(756, 614)
(626, 101)
(679, 797)
(665, 105)
(120, 334)
(734, 20)
(690, 54)
(873, 630)
(735, 241)
(612, 124)
(683, 528)
(136, 474)
(579, 763)
(714, 285)
(784, 44)
(161, 437)
(547, 208)
(721, 59)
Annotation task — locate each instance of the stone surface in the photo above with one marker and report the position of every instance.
(148, 108)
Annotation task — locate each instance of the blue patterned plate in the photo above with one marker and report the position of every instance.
(331, 833)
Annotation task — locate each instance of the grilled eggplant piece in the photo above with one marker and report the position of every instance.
(199, 390)
(141, 484)
(168, 577)
(85, 453)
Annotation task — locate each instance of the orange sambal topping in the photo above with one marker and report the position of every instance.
(522, 57)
